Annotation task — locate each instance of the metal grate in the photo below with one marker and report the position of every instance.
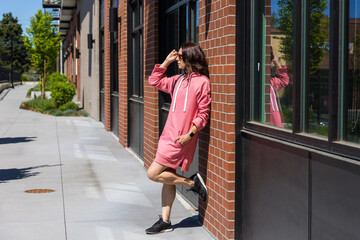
(40, 191)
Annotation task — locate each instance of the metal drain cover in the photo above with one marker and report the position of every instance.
(39, 191)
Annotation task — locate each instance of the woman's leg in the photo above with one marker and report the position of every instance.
(169, 178)
(160, 173)
(167, 198)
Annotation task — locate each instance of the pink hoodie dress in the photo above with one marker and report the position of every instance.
(190, 106)
(280, 81)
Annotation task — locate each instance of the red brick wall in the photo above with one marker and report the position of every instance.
(71, 60)
(78, 78)
(151, 105)
(107, 99)
(267, 59)
(123, 80)
(217, 141)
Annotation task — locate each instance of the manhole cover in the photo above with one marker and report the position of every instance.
(40, 191)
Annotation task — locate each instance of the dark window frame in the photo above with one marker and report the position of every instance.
(331, 144)
(133, 31)
(184, 10)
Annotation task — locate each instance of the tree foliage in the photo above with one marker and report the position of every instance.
(11, 40)
(318, 31)
(42, 41)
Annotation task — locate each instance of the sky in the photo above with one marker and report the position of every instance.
(22, 9)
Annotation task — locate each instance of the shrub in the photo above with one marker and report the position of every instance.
(59, 113)
(68, 105)
(39, 86)
(40, 105)
(62, 92)
(54, 78)
(24, 78)
(48, 105)
(82, 113)
(70, 112)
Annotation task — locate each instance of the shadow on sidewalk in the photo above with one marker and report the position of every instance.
(16, 174)
(189, 222)
(9, 140)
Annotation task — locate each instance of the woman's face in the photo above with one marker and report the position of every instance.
(179, 60)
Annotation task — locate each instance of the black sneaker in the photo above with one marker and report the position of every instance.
(199, 186)
(159, 227)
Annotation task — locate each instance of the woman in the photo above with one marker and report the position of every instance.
(278, 80)
(189, 113)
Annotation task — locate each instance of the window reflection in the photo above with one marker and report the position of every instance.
(353, 75)
(318, 68)
(278, 63)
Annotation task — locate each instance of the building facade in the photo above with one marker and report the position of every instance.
(296, 180)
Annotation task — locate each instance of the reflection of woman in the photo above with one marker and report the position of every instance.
(189, 113)
(277, 82)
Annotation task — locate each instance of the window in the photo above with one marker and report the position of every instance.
(179, 23)
(272, 63)
(136, 38)
(304, 80)
(114, 56)
(317, 68)
(351, 114)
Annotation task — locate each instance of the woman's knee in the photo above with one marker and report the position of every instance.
(152, 175)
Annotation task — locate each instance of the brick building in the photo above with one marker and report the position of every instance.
(128, 38)
(293, 182)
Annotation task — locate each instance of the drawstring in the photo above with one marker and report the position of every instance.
(187, 90)
(186, 96)
(177, 89)
(272, 104)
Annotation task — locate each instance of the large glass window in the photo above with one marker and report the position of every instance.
(137, 89)
(352, 91)
(304, 61)
(272, 63)
(114, 56)
(317, 80)
(179, 23)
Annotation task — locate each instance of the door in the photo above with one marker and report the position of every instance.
(178, 23)
(114, 73)
(101, 85)
(135, 77)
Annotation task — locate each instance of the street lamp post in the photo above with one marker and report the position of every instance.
(11, 68)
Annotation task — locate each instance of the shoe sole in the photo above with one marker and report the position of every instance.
(163, 231)
(203, 183)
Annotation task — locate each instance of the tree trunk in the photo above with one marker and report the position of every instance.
(44, 82)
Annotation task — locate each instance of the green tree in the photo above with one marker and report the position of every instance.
(318, 31)
(12, 48)
(42, 41)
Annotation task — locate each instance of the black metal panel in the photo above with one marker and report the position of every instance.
(115, 113)
(335, 198)
(136, 114)
(102, 107)
(275, 204)
(194, 167)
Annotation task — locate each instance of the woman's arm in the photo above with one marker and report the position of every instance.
(202, 117)
(158, 78)
(169, 59)
(204, 100)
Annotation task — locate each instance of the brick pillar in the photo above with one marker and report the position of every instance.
(123, 73)
(107, 110)
(151, 96)
(217, 140)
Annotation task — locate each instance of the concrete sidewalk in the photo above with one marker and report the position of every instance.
(101, 190)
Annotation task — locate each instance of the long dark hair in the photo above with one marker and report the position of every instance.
(194, 59)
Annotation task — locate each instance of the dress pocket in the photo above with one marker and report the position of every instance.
(169, 135)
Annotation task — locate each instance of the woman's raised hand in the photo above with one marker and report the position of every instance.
(169, 59)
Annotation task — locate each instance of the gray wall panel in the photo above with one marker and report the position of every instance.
(275, 202)
(335, 199)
